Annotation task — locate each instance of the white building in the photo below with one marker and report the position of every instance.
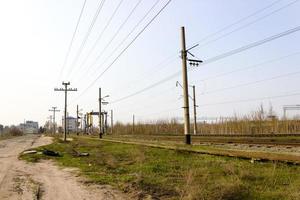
(29, 127)
(71, 124)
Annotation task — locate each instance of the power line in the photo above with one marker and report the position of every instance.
(251, 99)
(122, 42)
(236, 86)
(122, 52)
(102, 32)
(230, 102)
(251, 67)
(255, 44)
(248, 24)
(214, 59)
(72, 40)
(165, 63)
(116, 33)
(253, 82)
(100, 6)
(215, 33)
(239, 21)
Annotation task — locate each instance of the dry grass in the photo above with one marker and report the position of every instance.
(255, 123)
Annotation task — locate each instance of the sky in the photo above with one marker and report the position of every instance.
(35, 36)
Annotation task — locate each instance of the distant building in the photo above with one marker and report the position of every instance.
(71, 124)
(1, 129)
(29, 127)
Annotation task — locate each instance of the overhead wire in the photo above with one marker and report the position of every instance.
(215, 33)
(72, 40)
(239, 21)
(121, 43)
(233, 101)
(252, 66)
(124, 50)
(246, 25)
(251, 99)
(251, 83)
(101, 34)
(214, 59)
(116, 33)
(83, 43)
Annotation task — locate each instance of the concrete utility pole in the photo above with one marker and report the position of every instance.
(192, 62)
(101, 120)
(133, 120)
(111, 121)
(85, 132)
(100, 102)
(54, 110)
(195, 110)
(185, 89)
(77, 117)
(66, 90)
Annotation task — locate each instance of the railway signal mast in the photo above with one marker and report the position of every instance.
(193, 62)
(66, 90)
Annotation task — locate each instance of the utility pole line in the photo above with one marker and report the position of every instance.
(185, 89)
(66, 90)
(54, 110)
(111, 121)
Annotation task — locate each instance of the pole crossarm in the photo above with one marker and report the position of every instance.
(63, 89)
(66, 90)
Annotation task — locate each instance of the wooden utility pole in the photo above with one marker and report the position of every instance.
(54, 110)
(66, 90)
(195, 110)
(185, 89)
(111, 121)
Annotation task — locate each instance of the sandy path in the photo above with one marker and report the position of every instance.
(44, 180)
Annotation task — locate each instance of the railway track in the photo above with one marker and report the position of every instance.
(289, 140)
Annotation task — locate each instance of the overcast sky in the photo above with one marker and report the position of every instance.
(35, 36)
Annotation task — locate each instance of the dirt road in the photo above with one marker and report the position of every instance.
(44, 180)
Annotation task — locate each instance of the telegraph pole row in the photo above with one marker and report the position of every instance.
(54, 110)
(66, 90)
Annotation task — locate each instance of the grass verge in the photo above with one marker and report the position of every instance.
(174, 174)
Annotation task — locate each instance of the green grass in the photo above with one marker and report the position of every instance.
(174, 174)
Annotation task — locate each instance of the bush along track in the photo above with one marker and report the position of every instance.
(146, 172)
